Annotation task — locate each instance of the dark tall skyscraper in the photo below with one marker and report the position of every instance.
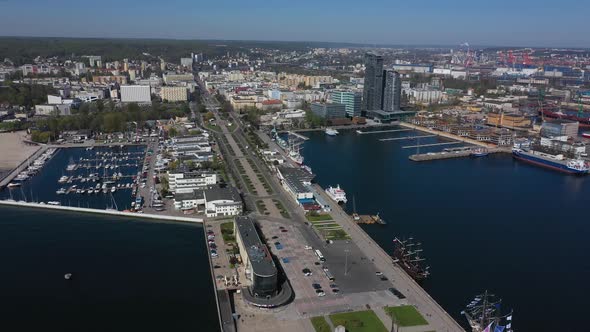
(373, 91)
(392, 91)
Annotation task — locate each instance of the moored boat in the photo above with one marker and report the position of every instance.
(555, 162)
(337, 194)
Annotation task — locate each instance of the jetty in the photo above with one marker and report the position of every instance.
(99, 211)
(405, 138)
(452, 154)
(360, 132)
(427, 145)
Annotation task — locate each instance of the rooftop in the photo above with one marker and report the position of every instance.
(262, 263)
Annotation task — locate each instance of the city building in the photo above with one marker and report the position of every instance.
(297, 182)
(109, 79)
(213, 201)
(174, 93)
(559, 127)
(329, 110)
(186, 62)
(187, 182)
(258, 263)
(350, 99)
(136, 94)
(392, 91)
(373, 87)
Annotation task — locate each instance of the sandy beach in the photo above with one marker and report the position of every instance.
(13, 150)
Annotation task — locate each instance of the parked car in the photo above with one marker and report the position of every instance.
(308, 247)
(316, 286)
(306, 272)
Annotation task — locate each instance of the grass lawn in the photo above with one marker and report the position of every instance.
(360, 321)
(328, 225)
(227, 232)
(320, 324)
(406, 315)
(336, 234)
(320, 217)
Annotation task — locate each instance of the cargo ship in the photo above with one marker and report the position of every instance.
(484, 314)
(555, 162)
(407, 255)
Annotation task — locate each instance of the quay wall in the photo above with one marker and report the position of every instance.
(97, 211)
(6, 180)
(447, 135)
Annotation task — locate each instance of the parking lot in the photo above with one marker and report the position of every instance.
(221, 262)
(354, 290)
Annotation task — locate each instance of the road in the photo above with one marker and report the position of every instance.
(366, 255)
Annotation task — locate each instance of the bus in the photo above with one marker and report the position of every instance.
(320, 256)
(328, 274)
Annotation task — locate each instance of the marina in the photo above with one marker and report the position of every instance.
(89, 177)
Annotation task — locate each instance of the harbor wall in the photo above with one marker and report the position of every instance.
(97, 211)
(22, 166)
(447, 135)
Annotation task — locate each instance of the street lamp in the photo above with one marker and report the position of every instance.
(346, 251)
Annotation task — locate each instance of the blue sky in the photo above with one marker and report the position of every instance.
(433, 22)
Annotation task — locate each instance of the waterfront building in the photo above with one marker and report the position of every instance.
(174, 93)
(136, 94)
(187, 182)
(373, 86)
(559, 127)
(350, 99)
(258, 263)
(213, 201)
(297, 182)
(392, 91)
(329, 110)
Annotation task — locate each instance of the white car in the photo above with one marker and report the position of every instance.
(308, 247)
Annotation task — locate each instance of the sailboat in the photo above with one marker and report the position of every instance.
(484, 314)
(407, 255)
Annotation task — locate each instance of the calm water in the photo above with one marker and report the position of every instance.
(43, 186)
(128, 275)
(490, 223)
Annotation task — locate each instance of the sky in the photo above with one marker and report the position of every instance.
(539, 23)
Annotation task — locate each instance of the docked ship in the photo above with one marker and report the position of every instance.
(479, 152)
(484, 314)
(407, 255)
(555, 162)
(331, 132)
(294, 154)
(337, 194)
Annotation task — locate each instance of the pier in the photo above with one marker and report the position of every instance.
(7, 179)
(405, 138)
(382, 131)
(298, 135)
(427, 145)
(98, 211)
(453, 154)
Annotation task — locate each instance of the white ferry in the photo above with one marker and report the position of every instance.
(337, 194)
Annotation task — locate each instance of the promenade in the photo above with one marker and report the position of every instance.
(98, 211)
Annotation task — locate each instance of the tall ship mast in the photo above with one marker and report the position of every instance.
(407, 254)
(484, 314)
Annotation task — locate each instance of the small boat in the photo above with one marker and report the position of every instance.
(331, 132)
(586, 134)
(479, 152)
(53, 203)
(13, 185)
(68, 276)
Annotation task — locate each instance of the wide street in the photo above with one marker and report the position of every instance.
(353, 263)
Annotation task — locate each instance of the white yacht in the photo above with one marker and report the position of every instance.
(331, 132)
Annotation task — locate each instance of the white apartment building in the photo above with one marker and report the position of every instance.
(136, 94)
(187, 182)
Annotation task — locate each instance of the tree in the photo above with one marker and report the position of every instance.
(172, 132)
